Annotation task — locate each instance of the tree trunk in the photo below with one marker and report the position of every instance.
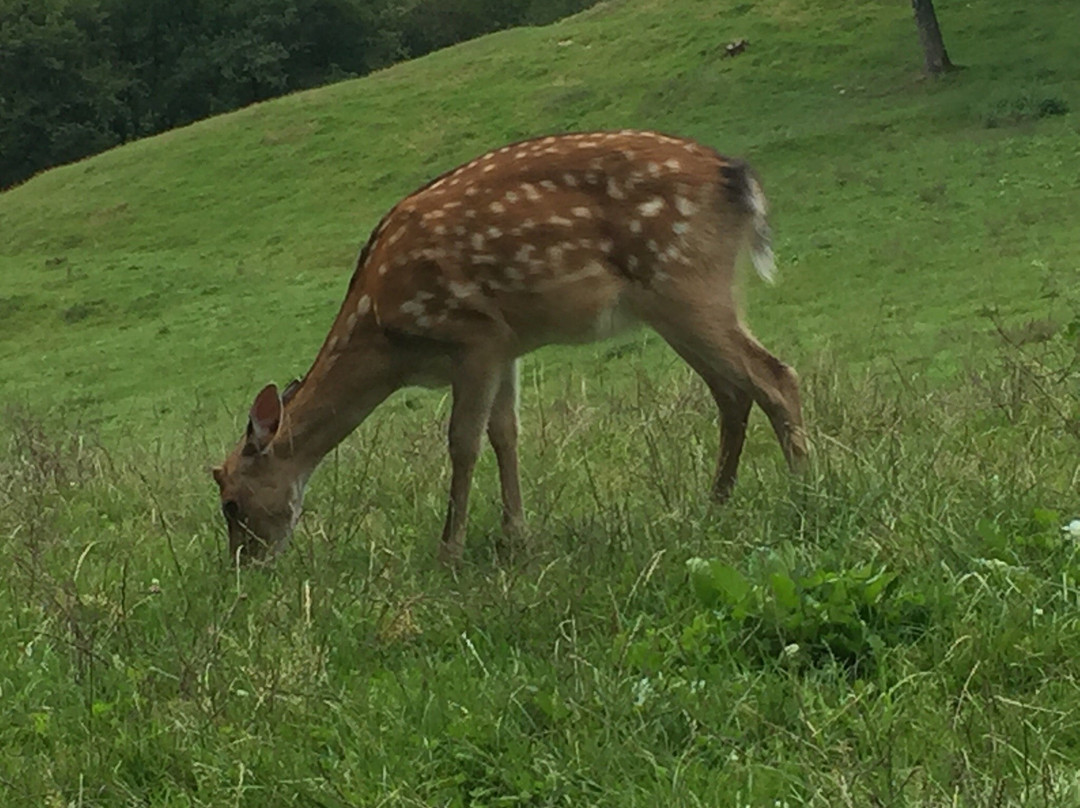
(937, 60)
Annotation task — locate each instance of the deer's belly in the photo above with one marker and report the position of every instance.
(577, 310)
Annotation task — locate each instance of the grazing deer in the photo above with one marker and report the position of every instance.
(560, 239)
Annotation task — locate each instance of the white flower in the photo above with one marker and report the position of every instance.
(642, 690)
(1072, 530)
(791, 650)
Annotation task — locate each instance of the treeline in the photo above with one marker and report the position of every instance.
(79, 76)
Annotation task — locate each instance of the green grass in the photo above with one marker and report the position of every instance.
(926, 236)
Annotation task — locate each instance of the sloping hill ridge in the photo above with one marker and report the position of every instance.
(199, 263)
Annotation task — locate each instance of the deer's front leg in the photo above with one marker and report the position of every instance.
(475, 382)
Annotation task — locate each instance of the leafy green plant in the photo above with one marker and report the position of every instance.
(849, 616)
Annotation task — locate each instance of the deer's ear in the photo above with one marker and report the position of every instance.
(264, 418)
(290, 391)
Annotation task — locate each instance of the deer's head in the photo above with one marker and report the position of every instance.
(261, 492)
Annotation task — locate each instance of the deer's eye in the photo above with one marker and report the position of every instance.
(231, 510)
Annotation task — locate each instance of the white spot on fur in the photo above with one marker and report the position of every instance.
(672, 253)
(462, 290)
(673, 164)
(582, 212)
(530, 191)
(591, 269)
(559, 220)
(497, 207)
(477, 241)
(613, 190)
(363, 304)
(651, 208)
(685, 206)
(570, 180)
(635, 226)
(494, 232)
(511, 196)
(548, 185)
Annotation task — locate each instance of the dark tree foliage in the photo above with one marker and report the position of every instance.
(79, 76)
(58, 90)
(428, 25)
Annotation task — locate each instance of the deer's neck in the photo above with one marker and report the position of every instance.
(338, 393)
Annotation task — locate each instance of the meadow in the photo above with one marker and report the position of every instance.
(898, 627)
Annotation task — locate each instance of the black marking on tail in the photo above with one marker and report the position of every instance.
(742, 190)
(735, 178)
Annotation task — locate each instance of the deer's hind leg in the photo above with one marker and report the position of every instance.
(706, 332)
(503, 435)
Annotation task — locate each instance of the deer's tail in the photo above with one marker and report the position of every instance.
(745, 190)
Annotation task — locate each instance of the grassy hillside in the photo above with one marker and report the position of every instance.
(182, 252)
(898, 628)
